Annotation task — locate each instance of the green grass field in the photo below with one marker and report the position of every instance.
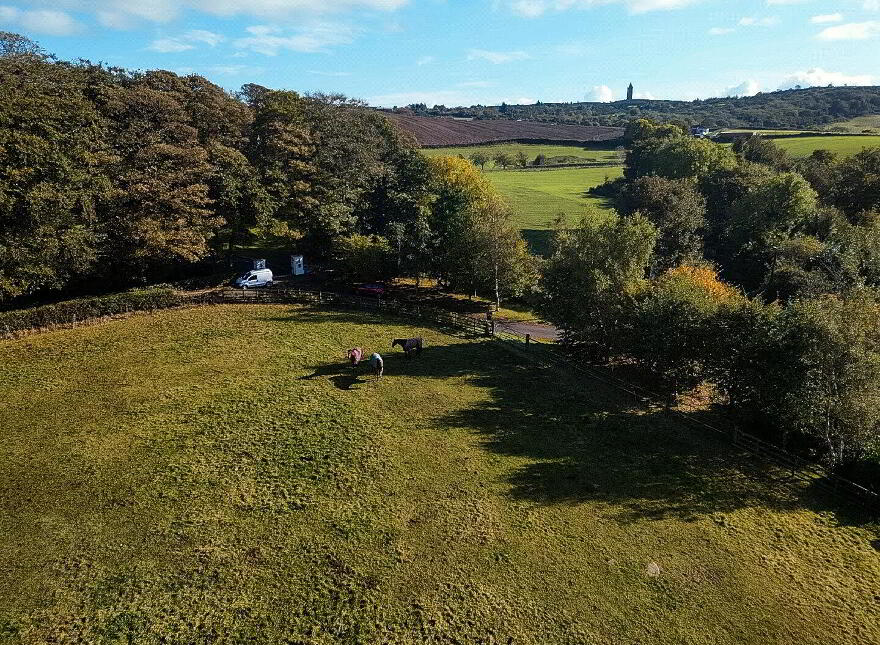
(538, 196)
(218, 475)
(767, 133)
(858, 124)
(843, 145)
(598, 152)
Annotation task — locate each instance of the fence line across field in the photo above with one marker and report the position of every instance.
(800, 469)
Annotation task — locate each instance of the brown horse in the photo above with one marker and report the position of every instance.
(410, 346)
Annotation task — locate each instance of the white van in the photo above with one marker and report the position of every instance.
(255, 278)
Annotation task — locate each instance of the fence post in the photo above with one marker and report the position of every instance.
(528, 339)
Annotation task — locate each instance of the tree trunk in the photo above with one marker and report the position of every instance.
(497, 290)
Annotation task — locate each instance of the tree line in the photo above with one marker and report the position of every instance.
(809, 108)
(740, 268)
(116, 177)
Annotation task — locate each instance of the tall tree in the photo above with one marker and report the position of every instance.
(54, 172)
(857, 182)
(480, 159)
(590, 280)
(677, 209)
(161, 211)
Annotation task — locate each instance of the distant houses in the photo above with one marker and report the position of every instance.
(700, 132)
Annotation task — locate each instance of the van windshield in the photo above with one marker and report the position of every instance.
(244, 276)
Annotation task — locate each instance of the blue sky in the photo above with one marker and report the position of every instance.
(463, 52)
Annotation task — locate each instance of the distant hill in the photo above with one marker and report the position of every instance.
(812, 108)
(436, 132)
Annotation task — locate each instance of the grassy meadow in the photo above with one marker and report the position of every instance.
(537, 197)
(858, 124)
(583, 154)
(843, 145)
(218, 475)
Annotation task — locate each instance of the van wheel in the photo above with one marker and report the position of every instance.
(270, 283)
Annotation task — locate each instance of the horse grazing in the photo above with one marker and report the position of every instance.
(377, 365)
(355, 355)
(410, 346)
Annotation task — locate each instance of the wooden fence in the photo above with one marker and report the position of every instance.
(800, 469)
(447, 319)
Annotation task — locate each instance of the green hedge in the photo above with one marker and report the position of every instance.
(71, 311)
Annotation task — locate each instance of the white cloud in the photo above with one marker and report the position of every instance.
(235, 70)
(40, 21)
(751, 21)
(746, 88)
(827, 18)
(430, 98)
(529, 8)
(818, 77)
(115, 20)
(496, 58)
(536, 8)
(644, 95)
(169, 46)
(276, 8)
(186, 41)
(425, 60)
(202, 36)
(851, 31)
(721, 31)
(600, 94)
(125, 14)
(269, 40)
(872, 5)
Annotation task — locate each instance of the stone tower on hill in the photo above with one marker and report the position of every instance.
(629, 92)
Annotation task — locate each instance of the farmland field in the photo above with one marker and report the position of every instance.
(538, 196)
(216, 475)
(604, 154)
(843, 145)
(430, 131)
(858, 124)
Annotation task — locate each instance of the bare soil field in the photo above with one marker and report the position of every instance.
(433, 132)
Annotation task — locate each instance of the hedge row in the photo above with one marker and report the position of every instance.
(73, 311)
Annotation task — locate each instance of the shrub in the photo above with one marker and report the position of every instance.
(589, 281)
(809, 373)
(366, 257)
(671, 326)
(70, 311)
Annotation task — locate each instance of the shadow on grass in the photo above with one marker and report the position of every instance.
(587, 441)
(343, 375)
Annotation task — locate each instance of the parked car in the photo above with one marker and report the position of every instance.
(255, 278)
(377, 289)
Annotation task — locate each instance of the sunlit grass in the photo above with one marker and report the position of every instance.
(843, 145)
(220, 475)
(591, 153)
